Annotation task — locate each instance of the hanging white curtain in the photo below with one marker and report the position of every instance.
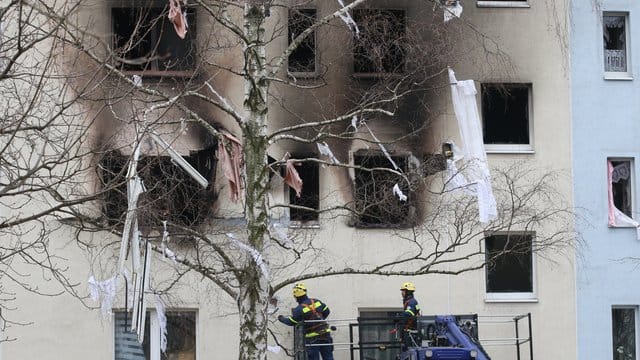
(475, 167)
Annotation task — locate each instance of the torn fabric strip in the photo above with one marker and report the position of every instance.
(178, 18)
(397, 192)
(140, 314)
(617, 217)
(347, 19)
(230, 157)
(476, 167)
(135, 187)
(162, 322)
(257, 256)
(324, 149)
(103, 291)
(452, 9)
(292, 178)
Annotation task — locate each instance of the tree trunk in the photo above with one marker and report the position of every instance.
(254, 284)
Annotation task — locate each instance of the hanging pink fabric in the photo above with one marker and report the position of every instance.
(231, 162)
(292, 178)
(178, 18)
(617, 217)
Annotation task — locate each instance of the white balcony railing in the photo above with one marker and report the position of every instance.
(615, 60)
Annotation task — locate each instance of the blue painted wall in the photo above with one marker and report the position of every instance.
(605, 123)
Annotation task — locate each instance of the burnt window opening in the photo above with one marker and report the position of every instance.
(376, 205)
(509, 266)
(147, 40)
(621, 186)
(171, 193)
(505, 113)
(380, 46)
(303, 58)
(310, 194)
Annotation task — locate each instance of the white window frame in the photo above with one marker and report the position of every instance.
(512, 296)
(503, 4)
(636, 318)
(619, 75)
(154, 328)
(632, 173)
(510, 148)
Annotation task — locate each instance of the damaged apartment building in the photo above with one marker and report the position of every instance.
(364, 149)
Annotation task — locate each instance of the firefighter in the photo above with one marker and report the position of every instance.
(409, 315)
(316, 333)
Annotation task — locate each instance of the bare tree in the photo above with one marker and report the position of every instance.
(118, 94)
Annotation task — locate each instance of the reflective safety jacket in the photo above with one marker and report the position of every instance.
(411, 311)
(309, 310)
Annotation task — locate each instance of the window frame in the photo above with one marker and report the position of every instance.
(618, 75)
(378, 74)
(314, 35)
(510, 148)
(503, 4)
(635, 320)
(155, 70)
(510, 296)
(154, 330)
(632, 189)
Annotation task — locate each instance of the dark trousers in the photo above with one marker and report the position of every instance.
(320, 347)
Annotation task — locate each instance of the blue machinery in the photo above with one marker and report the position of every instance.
(450, 337)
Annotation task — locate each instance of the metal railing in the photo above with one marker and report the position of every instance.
(389, 343)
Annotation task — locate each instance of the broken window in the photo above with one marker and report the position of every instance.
(621, 186)
(145, 40)
(623, 328)
(310, 194)
(506, 116)
(615, 38)
(171, 193)
(181, 337)
(509, 267)
(303, 58)
(380, 46)
(376, 202)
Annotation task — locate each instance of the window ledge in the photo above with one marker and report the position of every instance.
(508, 300)
(304, 225)
(621, 227)
(377, 75)
(303, 75)
(620, 76)
(502, 4)
(154, 74)
(508, 149)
